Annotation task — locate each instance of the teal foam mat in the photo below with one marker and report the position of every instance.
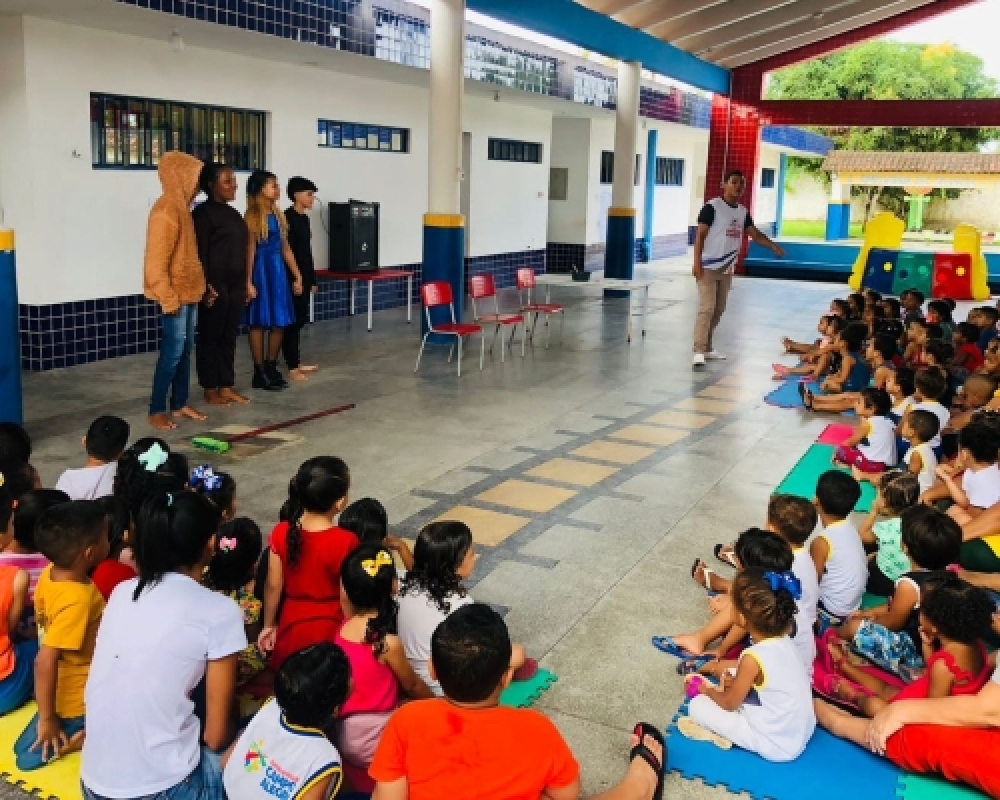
(521, 694)
(802, 480)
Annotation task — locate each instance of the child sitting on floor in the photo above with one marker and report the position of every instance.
(882, 529)
(856, 304)
(111, 571)
(954, 619)
(766, 707)
(837, 552)
(367, 519)
(218, 487)
(893, 308)
(804, 348)
(105, 442)
(231, 572)
(979, 487)
(853, 373)
(443, 557)
(871, 449)
(68, 607)
(917, 336)
(817, 362)
(379, 669)
(17, 653)
(899, 385)
(930, 383)
(939, 313)
(912, 301)
(985, 318)
(977, 391)
(968, 357)
(300, 761)
(888, 635)
(21, 550)
(919, 427)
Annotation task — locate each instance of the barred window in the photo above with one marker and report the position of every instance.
(608, 167)
(511, 150)
(669, 171)
(767, 178)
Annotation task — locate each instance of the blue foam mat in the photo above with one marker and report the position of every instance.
(787, 395)
(829, 769)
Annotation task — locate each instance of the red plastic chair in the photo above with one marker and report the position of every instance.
(483, 288)
(525, 283)
(435, 294)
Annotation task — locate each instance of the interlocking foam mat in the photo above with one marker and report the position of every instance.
(60, 779)
(787, 395)
(802, 479)
(922, 787)
(835, 434)
(521, 694)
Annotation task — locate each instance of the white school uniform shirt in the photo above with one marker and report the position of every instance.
(843, 581)
(727, 227)
(88, 483)
(982, 487)
(903, 406)
(881, 440)
(928, 463)
(416, 622)
(938, 410)
(276, 759)
(804, 568)
(782, 711)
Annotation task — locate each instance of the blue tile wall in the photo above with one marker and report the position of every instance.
(796, 138)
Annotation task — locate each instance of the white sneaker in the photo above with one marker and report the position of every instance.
(715, 355)
(698, 360)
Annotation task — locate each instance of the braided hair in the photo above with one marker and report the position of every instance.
(318, 486)
(368, 576)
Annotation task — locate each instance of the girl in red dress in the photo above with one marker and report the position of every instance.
(304, 561)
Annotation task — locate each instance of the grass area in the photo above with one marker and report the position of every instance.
(813, 229)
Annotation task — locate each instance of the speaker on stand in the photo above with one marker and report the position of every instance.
(354, 231)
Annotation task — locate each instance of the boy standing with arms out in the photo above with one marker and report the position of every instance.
(105, 441)
(722, 224)
(68, 606)
(302, 193)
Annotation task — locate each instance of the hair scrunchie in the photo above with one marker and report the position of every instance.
(786, 581)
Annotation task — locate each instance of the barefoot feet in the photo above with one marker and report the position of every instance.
(189, 413)
(161, 422)
(214, 397)
(232, 396)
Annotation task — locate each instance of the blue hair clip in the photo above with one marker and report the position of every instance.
(154, 458)
(786, 581)
(203, 477)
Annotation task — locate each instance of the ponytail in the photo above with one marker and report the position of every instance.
(318, 486)
(767, 599)
(369, 576)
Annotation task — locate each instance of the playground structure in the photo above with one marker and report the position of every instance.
(883, 266)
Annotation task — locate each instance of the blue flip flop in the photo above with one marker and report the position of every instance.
(692, 664)
(666, 644)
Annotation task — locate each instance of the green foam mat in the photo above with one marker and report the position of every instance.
(871, 600)
(923, 787)
(521, 694)
(801, 481)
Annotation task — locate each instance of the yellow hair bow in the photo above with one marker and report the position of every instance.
(373, 565)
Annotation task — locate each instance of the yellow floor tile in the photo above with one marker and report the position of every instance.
(567, 470)
(681, 419)
(615, 452)
(527, 496)
(708, 405)
(650, 434)
(728, 392)
(488, 527)
(734, 380)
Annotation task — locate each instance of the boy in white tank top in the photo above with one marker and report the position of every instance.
(973, 484)
(837, 550)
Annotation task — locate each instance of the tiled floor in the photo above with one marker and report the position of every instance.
(592, 473)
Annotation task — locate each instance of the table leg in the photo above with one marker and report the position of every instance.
(371, 299)
(312, 307)
(628, 311)
(645, 308)
(409, 297)
(353, 284)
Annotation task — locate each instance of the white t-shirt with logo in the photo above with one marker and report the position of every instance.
(418, 618)
(88, 483)
(142, 734)
(275, 759)
(727, 226)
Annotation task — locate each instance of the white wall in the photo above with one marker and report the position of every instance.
(765, 202)
(570, 149)
(82, 235)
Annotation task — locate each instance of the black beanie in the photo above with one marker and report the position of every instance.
(297, 184)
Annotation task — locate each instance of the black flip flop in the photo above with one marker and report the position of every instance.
(806, 396)
(642, 730)
(729, 560)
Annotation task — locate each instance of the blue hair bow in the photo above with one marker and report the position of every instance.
(203, 477)
(154, 458)
(786, 581)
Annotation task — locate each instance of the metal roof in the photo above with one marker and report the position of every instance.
(949, 163)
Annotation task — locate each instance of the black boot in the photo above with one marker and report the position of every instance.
(262, 380)
(271, 368)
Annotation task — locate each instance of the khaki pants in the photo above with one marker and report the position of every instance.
(713, 291)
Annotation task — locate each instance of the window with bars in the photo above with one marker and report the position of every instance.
(669, 171)
(361, 136)
(512, 150)
(608, 167)
(767, 178)
(135, 132)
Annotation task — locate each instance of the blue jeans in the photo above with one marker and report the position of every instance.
(28, 759)
(173, 367)
(205, 783)
(16, 689)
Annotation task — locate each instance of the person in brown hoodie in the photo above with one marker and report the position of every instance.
(174, 278)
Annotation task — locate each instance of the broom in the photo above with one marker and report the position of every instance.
(213, 445)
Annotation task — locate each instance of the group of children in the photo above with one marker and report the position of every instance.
(790, 627)
(140, 612)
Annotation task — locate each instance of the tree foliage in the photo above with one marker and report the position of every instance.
(887, 70)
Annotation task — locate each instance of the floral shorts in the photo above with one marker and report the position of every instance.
(893, 651)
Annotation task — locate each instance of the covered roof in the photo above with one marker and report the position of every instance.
(930, 163)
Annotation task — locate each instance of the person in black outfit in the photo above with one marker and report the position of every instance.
(222, 248)
(301, 192)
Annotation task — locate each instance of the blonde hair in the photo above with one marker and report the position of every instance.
(259, 208)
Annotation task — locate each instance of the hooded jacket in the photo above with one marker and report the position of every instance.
(172, 274)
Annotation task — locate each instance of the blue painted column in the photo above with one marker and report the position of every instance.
(779, 208)
(11, 404)
(834, 222)
(619, 251)
(650, 198)
(444, 260)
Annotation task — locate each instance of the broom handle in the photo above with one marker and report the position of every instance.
(288, 423)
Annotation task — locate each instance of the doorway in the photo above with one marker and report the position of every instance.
(465, 197)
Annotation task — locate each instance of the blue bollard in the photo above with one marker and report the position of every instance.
(11, 404)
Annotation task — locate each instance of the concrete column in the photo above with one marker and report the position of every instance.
(11, 408)
(444, 225)
(649, 205)
(838, 213)
(619, 254)
(779, 208)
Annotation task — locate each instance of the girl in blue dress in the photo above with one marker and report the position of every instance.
(269, 293)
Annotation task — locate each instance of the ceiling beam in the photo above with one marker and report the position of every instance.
(657, 12)
(714, 17)
(609, 7)
(881, 113)
(855, 15)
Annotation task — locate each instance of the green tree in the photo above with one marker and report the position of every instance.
(886, 70)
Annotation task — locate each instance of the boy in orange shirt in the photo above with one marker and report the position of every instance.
(68, 607)
(467, 745)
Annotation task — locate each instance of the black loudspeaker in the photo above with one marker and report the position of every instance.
(354, 236)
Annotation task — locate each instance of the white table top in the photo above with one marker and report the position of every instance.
(550, 279)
